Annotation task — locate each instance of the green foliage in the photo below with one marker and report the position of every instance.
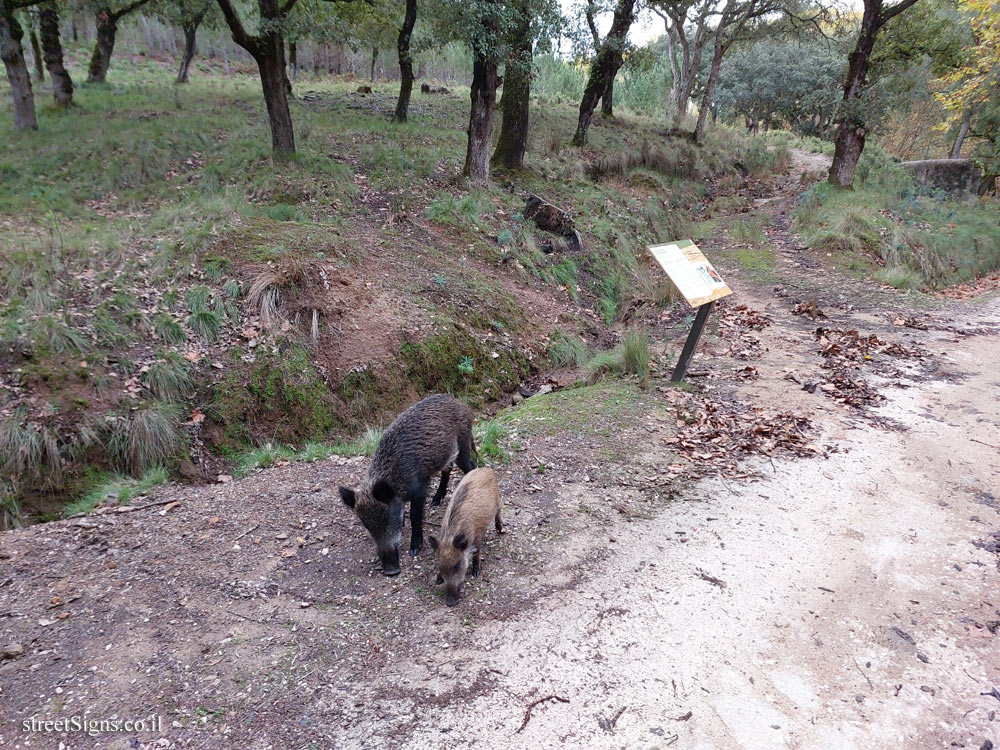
(899, 232)
(791, 81)
(283, 395)
(117, 490)
(748, 231)
(168, 329)
(206, 323)
(29, 454)
(635, 354)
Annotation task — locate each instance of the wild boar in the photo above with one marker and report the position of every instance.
(475, 503)
(426, 439)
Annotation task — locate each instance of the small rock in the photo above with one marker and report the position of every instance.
(282, 536)
(859, 698)
(12, 651)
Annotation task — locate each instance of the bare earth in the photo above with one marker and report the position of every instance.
(845, 601)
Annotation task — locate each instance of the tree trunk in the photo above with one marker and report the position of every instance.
(675, 74)
(374, 61)
(602, 74)
(190, 45)
(405, 61)
(36, 50)
(607, 99)
(851, 132)
(963, 131)
(48, 27)
(713, 76)
(293, 60)
(484, 101)
(100, 61)
(270, 57)
(17, 70)
(513, 140)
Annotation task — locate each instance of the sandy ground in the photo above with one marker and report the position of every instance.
(851, 601)
(852, 613)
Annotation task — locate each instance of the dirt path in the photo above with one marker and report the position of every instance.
(851, 601)
(851, 612)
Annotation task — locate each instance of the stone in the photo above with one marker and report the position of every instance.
(12, 651)
(953, 176)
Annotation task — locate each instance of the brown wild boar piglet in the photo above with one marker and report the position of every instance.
(475, 503)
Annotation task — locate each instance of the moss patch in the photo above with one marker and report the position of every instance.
(455, 361)
(282, 395)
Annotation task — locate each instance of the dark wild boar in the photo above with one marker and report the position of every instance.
(426, 439)
(475, 503)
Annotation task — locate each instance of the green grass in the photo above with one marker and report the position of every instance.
(759, 260)
(635, 354)
(749, 230)
(896, 232)
(489, 436)
(269, 454)
(147, 437)
(567, 350)
(169, 377)
(116, 489)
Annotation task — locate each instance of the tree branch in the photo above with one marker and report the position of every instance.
(593, 25)
(889, 13)
(240, 35)
(128, 9)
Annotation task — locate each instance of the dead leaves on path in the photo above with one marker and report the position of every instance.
(735, 326)
(717, 436)
(844, 351)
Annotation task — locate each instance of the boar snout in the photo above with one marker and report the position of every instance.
(390, 561)
(451, 597)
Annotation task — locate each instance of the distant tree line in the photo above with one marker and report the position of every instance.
(762, 63)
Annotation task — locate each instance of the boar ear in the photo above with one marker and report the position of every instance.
(382, 491)
(460, 542)
(434, 543)
(348, 497)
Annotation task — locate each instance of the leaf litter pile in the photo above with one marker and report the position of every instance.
(714, 436)
(736, 324)
(844, 352)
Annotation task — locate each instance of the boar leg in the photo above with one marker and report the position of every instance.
(474, 569)
(465, 460)
(498, 522)
(417, 498)
(442, 488)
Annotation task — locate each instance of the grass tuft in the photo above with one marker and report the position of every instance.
(488, 437)
(146, 438)
(168, 377)
(566, 350)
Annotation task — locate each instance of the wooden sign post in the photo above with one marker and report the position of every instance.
(698, 282)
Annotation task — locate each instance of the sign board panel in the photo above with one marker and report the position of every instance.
(695, 278)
